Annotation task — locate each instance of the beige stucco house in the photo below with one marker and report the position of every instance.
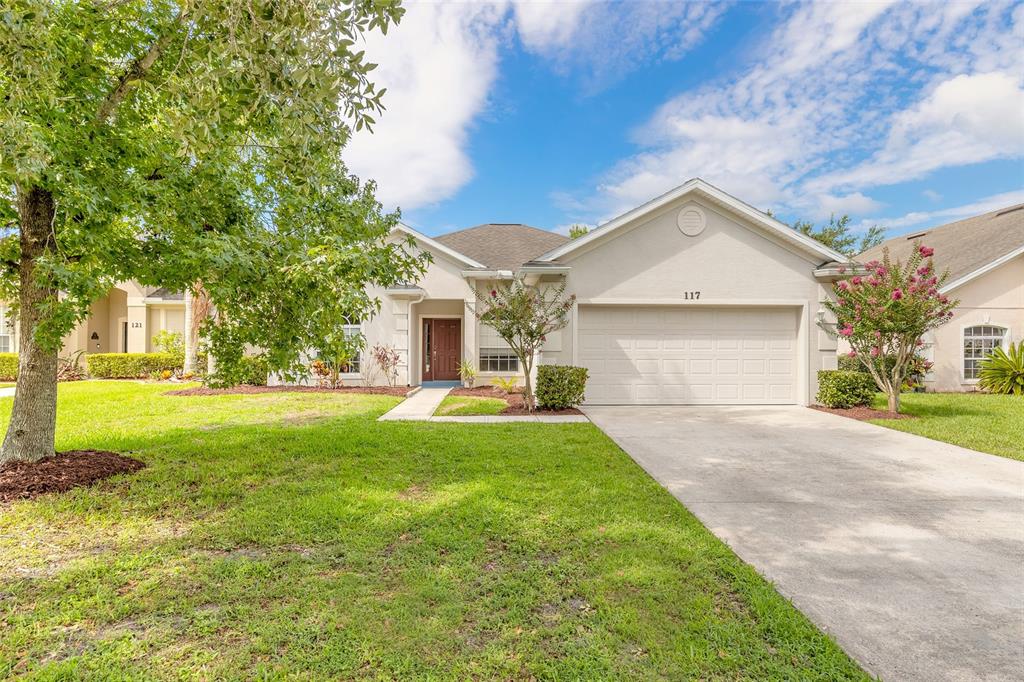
(123, 321)
(693, 298)
(985, 259)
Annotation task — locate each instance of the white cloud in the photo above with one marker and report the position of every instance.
(948, 215)
(931, 195)
(840, 98)
(440, 64)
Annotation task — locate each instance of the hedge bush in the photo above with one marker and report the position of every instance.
(250, 370)
(8, 366)
(560, 387)
(130, 365)
(844, 389)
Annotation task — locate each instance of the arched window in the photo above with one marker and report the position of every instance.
(979, 341)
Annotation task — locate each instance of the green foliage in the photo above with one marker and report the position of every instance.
(576, 231)
(172, 343)
(883, 310)
(8, 366)
(183, 142)
(247, 370)
(506, 384)
(560, 387)
(130, 365)
(523, 315)
(839, 236)
(1003, 370)
(844, 389)
(467, 372)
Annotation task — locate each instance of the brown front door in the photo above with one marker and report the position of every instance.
(442, 349)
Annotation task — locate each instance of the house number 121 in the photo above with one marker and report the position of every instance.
(691, 295)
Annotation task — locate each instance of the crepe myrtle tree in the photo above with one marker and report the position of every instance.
(884, 311)
(179, 141)
(523, 315)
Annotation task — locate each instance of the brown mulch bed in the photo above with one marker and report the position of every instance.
(514, 400)
(862, 413)
(249, 390)
(64, 471)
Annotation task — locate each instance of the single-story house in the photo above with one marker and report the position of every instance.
(984, 256)
(123, 321)
(693, 298)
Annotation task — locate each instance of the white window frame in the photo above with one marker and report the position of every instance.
(6, 329)
(351, 330)
(502, 352)
(1003, 341)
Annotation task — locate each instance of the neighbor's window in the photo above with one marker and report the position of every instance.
(495, 354)
(356, 362)
(979, 341)
(5, 330)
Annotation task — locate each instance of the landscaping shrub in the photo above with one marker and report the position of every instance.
(248, 370)
(560, 387)
(844, 389)
(1003, 371)
(8, 366)
(130, 365)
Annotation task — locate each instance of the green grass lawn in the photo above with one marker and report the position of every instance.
(463, 405)
(989, 423)
(293, 536)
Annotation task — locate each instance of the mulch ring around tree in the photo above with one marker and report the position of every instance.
(400, 391)
(516, 404)
(62, 472)
(862, 413)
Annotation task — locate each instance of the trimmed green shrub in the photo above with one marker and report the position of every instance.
(130, 365)
(249, 370)
(842, 388)
(1003, 371)
(8, 366)
(560, 387)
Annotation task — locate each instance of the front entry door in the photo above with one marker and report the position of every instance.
(442, 349)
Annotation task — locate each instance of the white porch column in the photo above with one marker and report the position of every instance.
(190, 342)
(138, 325)
(469, 329)
(400, 308)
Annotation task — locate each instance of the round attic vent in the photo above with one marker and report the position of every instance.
(691, 221)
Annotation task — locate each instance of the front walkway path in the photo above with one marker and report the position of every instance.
(419, 406)
(910, 552)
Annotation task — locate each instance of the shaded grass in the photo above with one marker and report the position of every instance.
(465, 405)
(292, 535)
(979, 421)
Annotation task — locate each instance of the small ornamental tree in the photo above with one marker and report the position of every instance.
(883, 313)
(524, 315)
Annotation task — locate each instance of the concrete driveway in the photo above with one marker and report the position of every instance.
(909, 552)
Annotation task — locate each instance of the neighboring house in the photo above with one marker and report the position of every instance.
(123, 321)
(693, 298)
(985, 259)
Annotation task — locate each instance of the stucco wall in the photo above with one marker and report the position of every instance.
(653, 262)
(995, 298)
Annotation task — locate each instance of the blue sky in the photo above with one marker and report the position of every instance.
(904, 115)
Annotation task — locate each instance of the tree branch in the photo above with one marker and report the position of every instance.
(137, 71)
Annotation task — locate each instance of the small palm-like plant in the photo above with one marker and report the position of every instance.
(1003, 370)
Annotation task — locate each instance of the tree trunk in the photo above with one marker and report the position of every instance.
(30, 435)
(894, 400)
(528, 400)
(190, 338)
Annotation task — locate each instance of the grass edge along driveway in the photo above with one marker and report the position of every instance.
(292, 535)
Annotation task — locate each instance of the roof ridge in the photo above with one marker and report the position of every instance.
(912, 234)
(482, 225)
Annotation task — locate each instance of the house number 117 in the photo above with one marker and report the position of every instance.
(691, 295)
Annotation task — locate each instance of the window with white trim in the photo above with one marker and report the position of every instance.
(979, 341)
(495, 353)
(355, 363)
(6, 330)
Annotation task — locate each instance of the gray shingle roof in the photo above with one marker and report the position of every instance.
(502, 246)
(964, 246)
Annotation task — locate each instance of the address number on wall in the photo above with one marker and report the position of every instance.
(136, 325)
(691, 295)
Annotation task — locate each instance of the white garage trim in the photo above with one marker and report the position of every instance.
(800, 355)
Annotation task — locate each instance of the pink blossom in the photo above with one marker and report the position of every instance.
(897, 294)
(844, 286)
(926, 252)
(872, 301)
(881, 271)
(923, 270)
(878, 334)
(875, 351)
(873, 281)
(943, 299)
(852, 354)
(842, 269)
(856, 280)
(846, 331)
(493, 293)
(933, 291)
(872, 265)
(919, 342)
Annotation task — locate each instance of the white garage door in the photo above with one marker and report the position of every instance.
(670, 355)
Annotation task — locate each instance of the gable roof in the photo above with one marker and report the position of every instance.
(438, 246)
(967, 248)
(698, 187)
(502, 246)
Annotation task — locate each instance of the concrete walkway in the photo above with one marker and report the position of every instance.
(534, 418)
(419, 406)
(908, 551)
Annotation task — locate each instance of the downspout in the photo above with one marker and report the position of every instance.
(408, 338)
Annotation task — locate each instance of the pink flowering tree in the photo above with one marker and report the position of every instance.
(524, 315)
(883, 309)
